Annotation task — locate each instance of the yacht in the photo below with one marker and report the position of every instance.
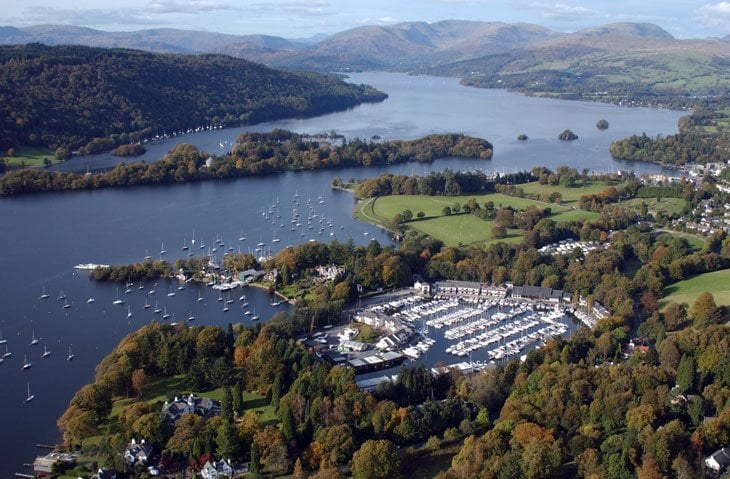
(157, 309)
(118, 301)
(66, 304)
(146, 304)
(2, 340)
(26, 364)
(129, 312)
(254, 317)
(7, 353)
(191, 317)
(90, 300)
(162, 249)
(30, 396)
(61, 295)
(165, 314)
(200, 297)
(70, 354)
(46, 352)
(171, 292)
(34, 341)
(44, 295)
(242, 237)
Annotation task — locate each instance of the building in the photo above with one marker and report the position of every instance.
(43, 465)
(468, 289)
(105, 473)
(137, 452)
(223, 468)
(538, 293)
(396, 340)
(718, 461)
(190, 404)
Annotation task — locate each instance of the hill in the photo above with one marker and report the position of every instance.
(70, 95)
(616, 62)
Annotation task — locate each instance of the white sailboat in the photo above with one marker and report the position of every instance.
(162, 249)
(34, 340)
(190, 316)
(254, 317)
(44, 295)
(7, 353)
(46, 352)
(146, 304)
(26, 364)
(90, 300)
(129, 312)
(200, 296)
(165, 315)
(118, 301)
(2, 340)
(66, 304)
(157, 308)
(29, 397)
(242, 237)
(171, 292)
(70, 355)
(61, 295)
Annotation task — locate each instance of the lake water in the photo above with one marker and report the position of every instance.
(45, 235)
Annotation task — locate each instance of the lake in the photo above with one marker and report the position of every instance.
(45, 235)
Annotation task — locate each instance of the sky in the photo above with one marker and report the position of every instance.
(304, 18)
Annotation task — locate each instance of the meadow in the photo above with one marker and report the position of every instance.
(717, 283)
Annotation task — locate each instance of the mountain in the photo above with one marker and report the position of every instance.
(160, 40)
(604, 63)
(96, 98)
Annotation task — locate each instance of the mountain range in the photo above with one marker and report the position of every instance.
(615, 57)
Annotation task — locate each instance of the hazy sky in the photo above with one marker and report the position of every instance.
(302, 18)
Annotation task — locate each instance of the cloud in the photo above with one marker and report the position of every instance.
(561, 11)
(715, 14)
(186, 6)
(302, 8)
(87, 16)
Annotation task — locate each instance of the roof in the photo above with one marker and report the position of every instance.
(722, 457)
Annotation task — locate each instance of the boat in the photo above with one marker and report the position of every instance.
(185, 246)
(7, 353)
(200, 297)
(61, 296)
(70, 354)
(2, 340)
(225, 309)
(147, 256)
(118, 301)
(66, 304)
(157, 309)
(30, 396)
(129, 312)
(46, 352)
(141, 286)
(254, 317)
(146, 304)
(152, 291)
(247, 313)
(90, 300)
(171, 292)
(162, 249)
(26, 364)
(190, 316)
(33, 341)
(44, 295)
(166, 314)
(242, 237)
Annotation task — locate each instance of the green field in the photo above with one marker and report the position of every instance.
(461, 229)
(717, 283)
(570, 194)
(697, 242)
(670, 206)
(30, 156)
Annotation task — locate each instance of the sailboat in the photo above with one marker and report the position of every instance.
(200, 297)
(70, 354)
(162, 249)
(61, 295)
(7, 353)
(90, 300)
(147, 256)
(26, 364)
(185, 246)
(242, 237)
(118, 301)
(46, 352)
(129, 312)
(30, 396)
(44, 295)
(254, 317)
(192, 242)
(2, 340)
(190, 316)
(157, 309)
(34, 340)
(171, 292)
(146, 304)
(66, 304)
(165, 315)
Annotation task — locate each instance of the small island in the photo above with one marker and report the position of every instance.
(131, 149)
(522, 137)
(567, 135)
(602, 124)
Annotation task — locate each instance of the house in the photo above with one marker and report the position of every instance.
(105, 473)
(216, 469)
(43, 465)
(190, 404)
(718, 461)
(137, 452)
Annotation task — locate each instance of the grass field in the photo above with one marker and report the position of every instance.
(671, 206)
(697, 242)
(570, 195)
(30, 156)
(461, 229)
(717, 283)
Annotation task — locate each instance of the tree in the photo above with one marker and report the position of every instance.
(704, 311)
(446, 211)
(237, 399)
(420, 215)
(602, 124)
(139, 379)
(227, 441)
(406, 215)
(298, 470)
(499, 231)
(376, 460)
(255, 465)
(686, 373)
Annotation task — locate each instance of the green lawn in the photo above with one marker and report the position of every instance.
(30, 156)
(717, 283)
(670, 206)
(459, 229)
(570, 194)
(697, 242)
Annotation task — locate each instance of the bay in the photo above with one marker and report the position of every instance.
(45, 235)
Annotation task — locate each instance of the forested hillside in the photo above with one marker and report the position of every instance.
(68, 96)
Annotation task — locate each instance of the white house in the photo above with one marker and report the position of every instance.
(719, 460)
(223, 468)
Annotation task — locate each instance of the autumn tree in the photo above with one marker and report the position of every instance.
(139, 380)
(704, 311)
(376, 459)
